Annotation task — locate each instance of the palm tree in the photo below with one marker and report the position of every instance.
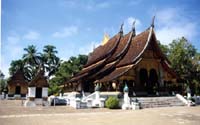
(32, 60)
(32, 57)
(49, 59)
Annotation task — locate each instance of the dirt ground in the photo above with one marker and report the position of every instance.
(12, 113)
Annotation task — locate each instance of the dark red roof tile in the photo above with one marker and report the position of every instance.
(18, 77)
(116, 73)
(103, 50)
(137, 45)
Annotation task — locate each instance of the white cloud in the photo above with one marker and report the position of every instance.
(129, 22)
(111, 31)
(12, 45)
(67, 31)
(172, 24)
(4, 66)
(88, 48)
(167, 34)
(167, 16)
(11, 50)
(32, 35)
(13, 39)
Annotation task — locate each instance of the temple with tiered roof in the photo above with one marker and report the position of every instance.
(135, 60)
(17, 85)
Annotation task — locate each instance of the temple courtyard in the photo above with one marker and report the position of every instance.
(12, 113)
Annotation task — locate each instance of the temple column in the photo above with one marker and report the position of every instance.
(121, 86)
(114, 85)
(118, 86)
(108, 86)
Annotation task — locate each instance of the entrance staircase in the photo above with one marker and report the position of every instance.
(153, 102)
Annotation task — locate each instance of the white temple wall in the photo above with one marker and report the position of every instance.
(31, 91)
(45, 92)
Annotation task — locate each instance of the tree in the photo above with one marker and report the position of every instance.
(16, 65)
(50, 60)
(66, 70)
(164, 48)
(32, 61)
(31, 57)
(185, 60)
(181, 56)
(3, 83)
(71, 67)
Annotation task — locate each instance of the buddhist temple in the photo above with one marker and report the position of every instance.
(17, 85)
(127, 59)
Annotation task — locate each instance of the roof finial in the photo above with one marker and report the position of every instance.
(133, 27)
(121, 28)
(152, 24)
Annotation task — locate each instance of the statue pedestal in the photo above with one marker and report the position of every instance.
(89, 102)
(98, 102)
(189, 95)
(29, 103)
(75, 103)
(135, 106)
(126, 105)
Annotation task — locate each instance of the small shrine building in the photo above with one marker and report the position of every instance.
(17, 85)
(38, 90)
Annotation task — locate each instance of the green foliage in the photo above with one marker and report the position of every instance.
(3, 85)
(181, 56)
(49, 59)
(16, 65)
(32, 60)
(185, 60)
(66, 70)
(112, 103)
(165, 49)
(3, 82)
(31, 57)
(54, 89)
(69, 68)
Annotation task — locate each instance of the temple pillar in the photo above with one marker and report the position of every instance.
(118, 86)
(114, 85)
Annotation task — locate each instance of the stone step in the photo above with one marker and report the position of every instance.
(151, 102)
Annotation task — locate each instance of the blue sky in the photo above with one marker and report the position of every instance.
(77, 26)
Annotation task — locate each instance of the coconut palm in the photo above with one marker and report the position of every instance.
(32, 60)
(50, 60)
(31, 57)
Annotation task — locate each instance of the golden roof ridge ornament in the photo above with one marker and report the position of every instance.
(106, 38)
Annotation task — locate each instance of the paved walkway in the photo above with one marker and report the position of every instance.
(12, 113)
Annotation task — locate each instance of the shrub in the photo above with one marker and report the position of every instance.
(112, 103)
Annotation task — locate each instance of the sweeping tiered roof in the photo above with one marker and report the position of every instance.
(39, 80)
(119, 55)
(17, 78)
